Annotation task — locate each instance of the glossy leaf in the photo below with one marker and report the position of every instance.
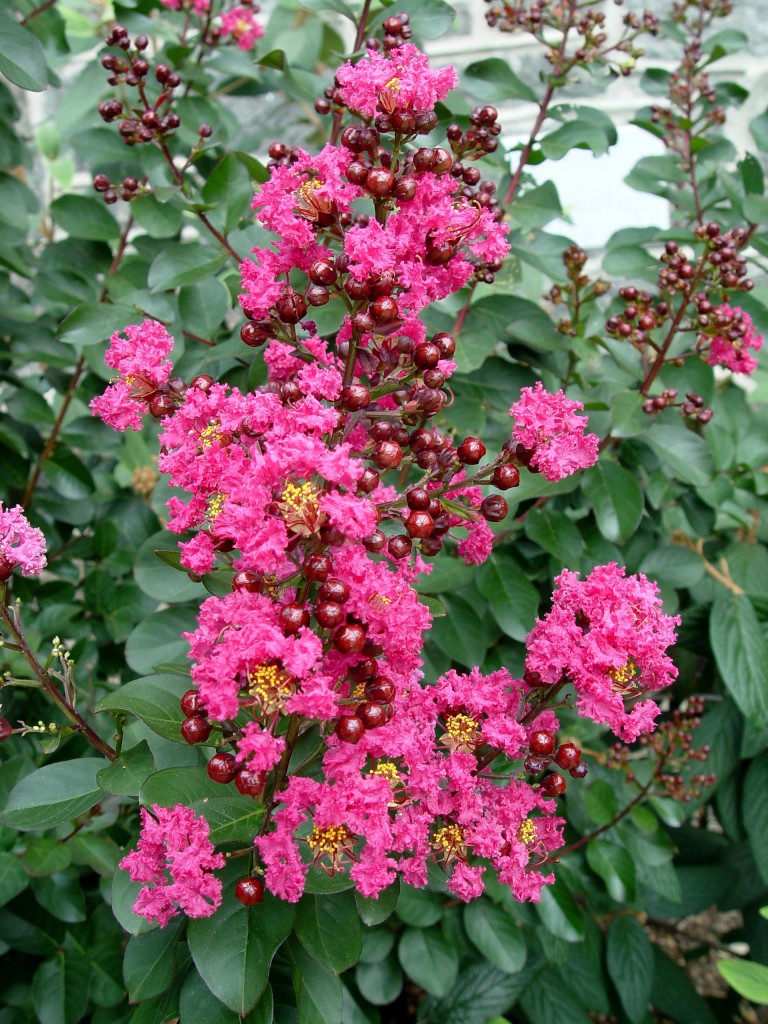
(741, 651)
(153, 699)
(631, 965)
(53, 794)
(496, 935)
(329, 929)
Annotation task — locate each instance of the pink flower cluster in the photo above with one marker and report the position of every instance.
(399, 80)
(549, 427)
(20, 544)
(294, 493)
(141, 360)
(174, 858)
(608, 635)
(241, 24)
(415, 791)
(731, 347)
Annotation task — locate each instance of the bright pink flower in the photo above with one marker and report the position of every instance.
(548, 425)
(174, 858)
(20, 544)
(143, 367)
(241, 24)
(399, 80)
(260, 750)
(608, 634)
(477, 546)
(731, 351)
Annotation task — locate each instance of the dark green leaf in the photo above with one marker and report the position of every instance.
(22, 59)
(329, 929)
(536, 207)
(429, 19)
(83, 217)
(496, 935)
(94, 322)
(198, 1005)
(124, 895)
(556, 533)
(159, 220)
(548, 1001)
(674, 995)
(616, 498)
(513, 600)
(158, 640)
(53, 794)
(600, 802)
(630, 964)
(60, 989)
(462, 634)
(741, 652)
(559, 913)
(318, 989)
(183, 264)
(380, 983)
(13, 877)
(62, 895)
(480, 992)
(153, 699)
(684, 452)
(496, 81)
(149, 964)
(126, 775)
(428, 959)
(233, 949)
(756, 805)
(231, 817)
(374, 910)
(44, 856)
(204, 305)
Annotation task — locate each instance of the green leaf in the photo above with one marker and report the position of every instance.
(749, 979)
(62, 895)
(198, 1005)
(559, 913)
(234, 948)
(83, 217)
(584, 128)
(44, 856)
(318, 990)
(94, 322)
(429, 19)
(231, 817)
(496, 935)
(159, 220)
(686, 454)
(158, 571)
(54, 794)
(375, 909)
(13, 877)
(600, 802)
(755, 801)
(428, 959)
(615, 866)
(617, 500)
(674, 995)
(22, 59)
(462, 634)
(183, 264)
(480, 992)
(123, 897)
(153, 699)
(149, 965)
(204, 305)
(126, 775)
(629, 956)
(495, 81)
(329, 929)
(381, 982)
(536, 207)
(60, 989)
(549, 1001)
(419, 907)
(513, 600)
(556, 533)
(741, 652)
(158, 640)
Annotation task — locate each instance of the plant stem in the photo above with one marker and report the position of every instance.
(51, 689)
(38, 10)
(614, 821)
(362, 26)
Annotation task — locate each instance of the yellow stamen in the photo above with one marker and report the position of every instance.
(305, 190)
(394, 84)
(334, 842)
(271, 686)
(624, 678)
(387, 770)
(449, 843)
(299, 506)
(527, 833)
(210, 434)
(461, 733)
(215, 505)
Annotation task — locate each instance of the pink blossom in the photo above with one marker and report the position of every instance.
(198, 555)
(355, 517)
(141, 361)
(731, 351)
(241, 24)
(477, 546)
(608, 634)
(20, 544)
(548, 425)
(260, 750)
(198, 6)
(399, 80)
(174, 858)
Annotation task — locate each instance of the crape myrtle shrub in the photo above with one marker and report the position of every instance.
(351, 520)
